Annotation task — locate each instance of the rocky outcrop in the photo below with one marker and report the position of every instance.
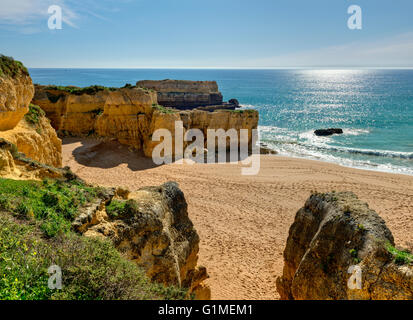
(35, 137)
(27, 128)
(153, 229)
(182, 94)
(15, 165)
(328, 132)
(131, 114)
(339, 249)
(16, 92)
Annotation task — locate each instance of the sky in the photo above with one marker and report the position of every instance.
(208, 34)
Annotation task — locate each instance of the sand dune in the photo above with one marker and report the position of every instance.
(243, 221)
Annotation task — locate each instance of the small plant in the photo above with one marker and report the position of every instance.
(163, 109)
(34, 115)
(11, 68)
(401, 257)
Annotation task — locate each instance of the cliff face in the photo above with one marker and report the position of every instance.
(35, 137)
(153, 229)
(28, 129)
(131, 115)
(16, 92)
(183, 94)
(339, 249)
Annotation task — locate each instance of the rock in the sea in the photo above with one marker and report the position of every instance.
(234, 102)
(336, 239)
(328, 132)
(153, 230)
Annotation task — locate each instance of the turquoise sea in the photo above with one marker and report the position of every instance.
(374, 107)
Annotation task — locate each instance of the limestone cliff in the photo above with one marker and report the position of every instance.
(130, 115)
(16, 92)
(339, 249)
(27, 128)
(182, 94)
(153, 229)
(35, 137)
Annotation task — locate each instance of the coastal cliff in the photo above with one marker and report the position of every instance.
(130, 114)
(181, 94)
(25, 127)
(336, 236)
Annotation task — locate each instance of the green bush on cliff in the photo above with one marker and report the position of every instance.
(34, 115)
(35, 233)
(53, 203)
(92, 269)
(401, 257)
(10, 67)
(163, 109)
(91, 90)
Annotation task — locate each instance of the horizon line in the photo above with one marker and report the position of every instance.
(233, 68)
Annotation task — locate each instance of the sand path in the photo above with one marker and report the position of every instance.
(243, 221)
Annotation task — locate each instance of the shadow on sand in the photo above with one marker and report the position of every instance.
(110, 154)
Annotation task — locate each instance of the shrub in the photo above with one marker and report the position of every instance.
(34, 114)
(11, 68)
(91, 268)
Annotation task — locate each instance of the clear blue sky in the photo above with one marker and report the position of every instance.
(210, 33)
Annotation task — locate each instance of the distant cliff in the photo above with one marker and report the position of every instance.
(181, 94)
(130, 114)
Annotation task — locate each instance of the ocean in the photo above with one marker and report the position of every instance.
(373, 107)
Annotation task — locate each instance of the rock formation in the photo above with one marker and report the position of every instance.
(182, 94)
(154, 230)
(328, 132)
(28, 129)
(131, 114)
(334, 234)
(16, 92)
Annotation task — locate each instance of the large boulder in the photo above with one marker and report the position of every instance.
(335, 237)
(154, 230)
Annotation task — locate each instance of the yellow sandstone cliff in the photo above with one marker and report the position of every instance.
(131, 115)
(26, 128)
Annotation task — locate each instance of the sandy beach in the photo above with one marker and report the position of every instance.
(243, 221)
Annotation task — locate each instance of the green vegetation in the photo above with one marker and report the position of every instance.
(164, 109)
(92, 269)
(401, 257)
(34, 115)
(119, 209)
(35, 233)
(53, 203)
(11, 68)
(354, 254)
(91, 90)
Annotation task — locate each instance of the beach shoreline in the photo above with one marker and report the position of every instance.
(243, 221)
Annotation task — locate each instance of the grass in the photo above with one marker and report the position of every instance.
(34, 115)
(11, 68)
(92, 269)
(53, 203)
(163, 109)
(119, 209)
(35, 233)
(401, 257)
(91, 90)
